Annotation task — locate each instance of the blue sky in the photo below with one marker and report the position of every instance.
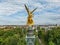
(12, 12)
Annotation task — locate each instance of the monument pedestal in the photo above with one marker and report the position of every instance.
(30, 37)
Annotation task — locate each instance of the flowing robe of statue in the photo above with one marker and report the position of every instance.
(30, 21)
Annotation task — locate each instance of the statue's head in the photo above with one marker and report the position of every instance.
(30, 15)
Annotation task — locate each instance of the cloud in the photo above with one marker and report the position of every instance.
(13, 11)
(8, 9)
(53, 0)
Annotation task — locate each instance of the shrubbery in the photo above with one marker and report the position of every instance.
(12, 37)
(50, 37)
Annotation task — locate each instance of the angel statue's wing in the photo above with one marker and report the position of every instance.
(27, 9)
(33, 10)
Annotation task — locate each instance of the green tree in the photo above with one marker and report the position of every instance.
(51, 43)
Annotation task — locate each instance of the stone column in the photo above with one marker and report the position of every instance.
(30, 37)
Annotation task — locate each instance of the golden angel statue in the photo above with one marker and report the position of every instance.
(30, 21)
